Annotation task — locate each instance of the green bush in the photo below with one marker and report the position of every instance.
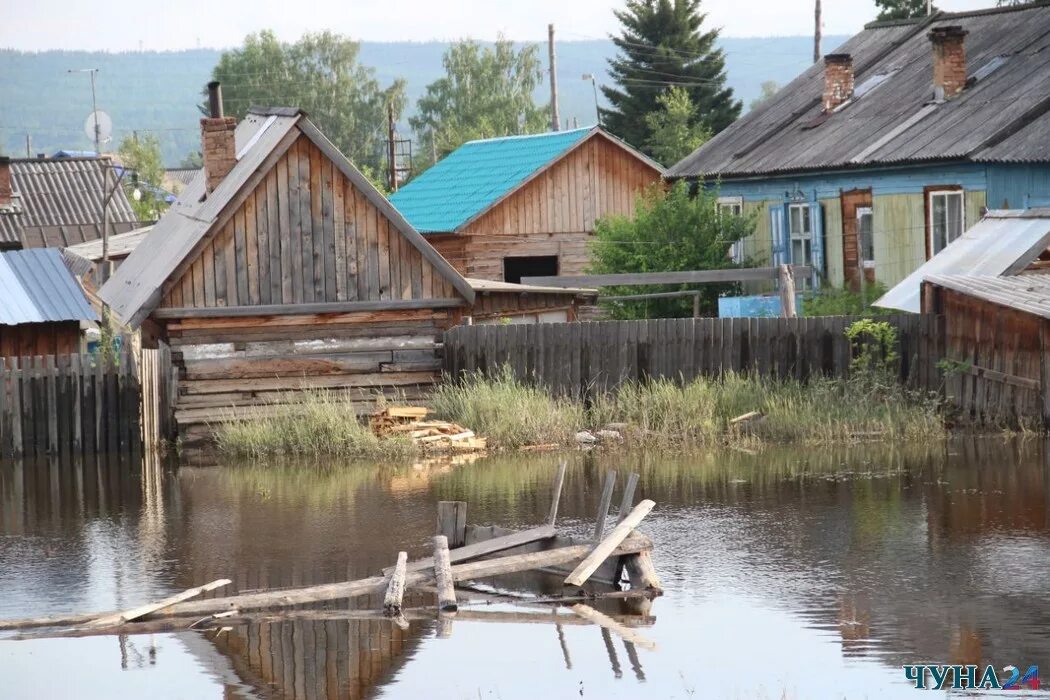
(843, 302)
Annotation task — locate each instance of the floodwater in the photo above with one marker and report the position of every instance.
(789, 574)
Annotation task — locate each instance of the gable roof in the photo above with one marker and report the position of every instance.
(37, 287)
(1002, 116)
(135, 289)
(59, 201)
(479, 174)
(1003, 242)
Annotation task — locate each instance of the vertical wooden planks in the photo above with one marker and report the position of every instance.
(329, 256)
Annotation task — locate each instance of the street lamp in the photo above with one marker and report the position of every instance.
(594, 86)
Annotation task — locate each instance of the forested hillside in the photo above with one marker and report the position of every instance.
(158, 91)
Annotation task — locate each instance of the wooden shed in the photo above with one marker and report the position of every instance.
(42, 308)
(523, 206)
(281, 269)
(996, 344)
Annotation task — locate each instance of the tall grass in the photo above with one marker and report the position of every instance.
(662, 412)
(507, 412)
(321, 423)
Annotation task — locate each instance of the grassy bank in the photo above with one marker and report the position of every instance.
(322, 423)
(665, 413)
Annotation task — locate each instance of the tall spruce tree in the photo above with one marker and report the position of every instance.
(663, 45)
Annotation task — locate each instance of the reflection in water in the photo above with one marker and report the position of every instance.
(789, 573)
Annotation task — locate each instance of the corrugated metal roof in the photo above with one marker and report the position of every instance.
(1005, 116)
(120, 245)
(59, 202)
(1028, 293)
(36, 287)
(476, 175)
(1003, 242)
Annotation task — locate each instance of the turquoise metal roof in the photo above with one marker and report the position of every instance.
(475, 176)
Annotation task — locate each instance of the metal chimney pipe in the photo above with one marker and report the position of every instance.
(214, 99)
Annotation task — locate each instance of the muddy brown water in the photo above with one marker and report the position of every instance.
(790, 573)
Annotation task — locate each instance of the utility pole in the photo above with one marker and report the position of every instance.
(555, 121)
(29, 145)
(94, 107)
(816, 32)
(392, 153)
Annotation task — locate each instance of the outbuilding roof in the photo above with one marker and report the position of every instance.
(1003, 242)
(1003, 115)
(479, 174)
(1029, 293)
(58, 202)
(36, 287)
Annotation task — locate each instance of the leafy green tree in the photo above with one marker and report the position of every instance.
(486, 92)
(320, 74)
(140, 156)
(674, 130)
(769, 88)
(663, 45)
(672, 230)
(193, 159)
(901, 9)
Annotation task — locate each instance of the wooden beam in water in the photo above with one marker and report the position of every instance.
(443, 576)
(559, 482)
(606, 547)
(626, 633)
(452, 521)
(627, 501)
(143, 610)
(640, 567)
(395, 588)
(480, 549)
(603, 505)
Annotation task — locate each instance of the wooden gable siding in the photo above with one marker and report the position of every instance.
(306, 235)
(553, 214)
(52, 338)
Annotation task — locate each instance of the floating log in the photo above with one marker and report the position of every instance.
(559, 481)
(607, 546)
(603, 505)
(395, 588)
(143, 610)
(443, 576)
(599, 618)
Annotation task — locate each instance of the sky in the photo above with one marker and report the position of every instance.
(123, 25)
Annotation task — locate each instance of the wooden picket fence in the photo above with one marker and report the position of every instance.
(84, 404)
(581, 358)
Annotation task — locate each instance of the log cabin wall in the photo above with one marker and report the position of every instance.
(553, 214)
(29, 339)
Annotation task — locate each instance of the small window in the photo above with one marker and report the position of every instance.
(866, 236)
(730, 206)
(531, 266)
(945, 209)
(801, 233)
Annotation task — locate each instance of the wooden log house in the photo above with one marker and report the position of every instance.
(281, 269)
(520, 206)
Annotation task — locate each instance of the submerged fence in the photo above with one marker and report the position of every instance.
(71, 405)
(580, 358)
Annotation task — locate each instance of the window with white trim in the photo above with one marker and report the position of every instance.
(866, 236)
(945, 209)
(733, 206)
(800, 233)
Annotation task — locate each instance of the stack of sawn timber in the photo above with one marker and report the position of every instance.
(240, 372)
(431, 435)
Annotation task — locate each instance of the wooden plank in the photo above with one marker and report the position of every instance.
(559, 482)
(605, 548)
(647, 278)
(604, 503)
(395, 588)
(603, 620)
(443, 575)
(486, 547)
(143, 610)
(310, 308)
(452, 521)
(627, 500)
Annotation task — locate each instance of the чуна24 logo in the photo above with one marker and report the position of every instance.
(958, 677)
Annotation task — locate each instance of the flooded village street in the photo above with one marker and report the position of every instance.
(789, 573)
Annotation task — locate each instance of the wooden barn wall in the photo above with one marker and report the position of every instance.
(554, 214)
(236, 368)
(306, 235)
(27, 339)
(996, 352)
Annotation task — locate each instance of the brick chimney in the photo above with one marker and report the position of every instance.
(218, 149)
(949, 61)
(5, 182)
(838, 79)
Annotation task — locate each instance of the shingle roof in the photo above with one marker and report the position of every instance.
(1003, 242)
(476, 175)
(59, 202)
(136, 286)
(1029, 293)
(36, 287)
(1002, 116)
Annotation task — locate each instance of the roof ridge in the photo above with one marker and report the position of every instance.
(543, 134)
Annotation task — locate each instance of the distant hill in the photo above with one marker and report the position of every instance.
(159, 91)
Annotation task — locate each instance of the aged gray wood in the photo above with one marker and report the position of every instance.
(559, 482)
(604, 503)
(310, 308)
(452, 521)
(627, 500)
(605, 548)
(645, 278)
(443, 575)
(395, 588)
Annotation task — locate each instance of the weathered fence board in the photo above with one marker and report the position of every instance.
(579, 359)
(68, 405)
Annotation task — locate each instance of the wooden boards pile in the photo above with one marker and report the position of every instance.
(432, 435)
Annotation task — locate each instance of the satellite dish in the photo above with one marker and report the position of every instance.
(104, 125)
